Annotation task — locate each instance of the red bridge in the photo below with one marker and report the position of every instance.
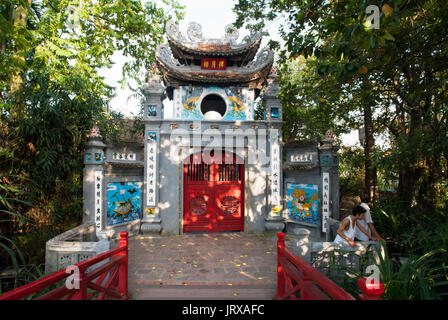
(296, 280)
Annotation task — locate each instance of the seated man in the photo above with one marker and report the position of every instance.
(346, 231)
(366, 223)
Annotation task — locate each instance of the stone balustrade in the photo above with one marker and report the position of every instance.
(333, 258)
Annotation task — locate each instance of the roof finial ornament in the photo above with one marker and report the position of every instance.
(273, 73)
(232, 33)
(153, 80)
(153, 73)
(194, 31)
(330, 137)
(95, 132)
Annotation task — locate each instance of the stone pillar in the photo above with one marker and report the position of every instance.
(274, 219)
(301, 245)
(154, 92)
(93, 188)
(330, 182)
(272, 102)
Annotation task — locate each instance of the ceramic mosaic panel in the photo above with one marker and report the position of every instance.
(239, 103)
(237, 110)
(98, 157)
(190, 97)
(325, 160)
(152, 110)
(123, 202)
(303, 203)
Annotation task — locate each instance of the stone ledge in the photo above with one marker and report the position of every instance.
(72, 247)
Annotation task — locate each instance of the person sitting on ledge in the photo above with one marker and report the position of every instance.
(367, 222)
(346, 231)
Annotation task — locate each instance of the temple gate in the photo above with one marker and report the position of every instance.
(204, 161)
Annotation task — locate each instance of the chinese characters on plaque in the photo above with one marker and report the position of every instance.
(177, 97)
(214, 64)
(325, 200)
(301, 158)
(151, 167)
(98, 200)
(129, 156)
(275, 172)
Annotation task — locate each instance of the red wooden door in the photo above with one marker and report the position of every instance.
(213, 195)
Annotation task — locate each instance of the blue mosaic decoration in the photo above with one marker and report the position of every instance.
(303, 203)
(151, 136)
(190, 97)
(88, 157)
(274, 113)
(237, 106)
(123, 202)
(98, 157)
(236, 109)
(274, 136)
(325, 160)
(152, 110)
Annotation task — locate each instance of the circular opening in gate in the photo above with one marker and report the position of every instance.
(213, 107)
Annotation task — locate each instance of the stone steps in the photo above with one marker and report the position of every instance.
(203, 292)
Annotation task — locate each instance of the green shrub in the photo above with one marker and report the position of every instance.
(417, 278)
(410, 230)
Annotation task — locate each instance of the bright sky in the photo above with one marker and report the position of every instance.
(213, 15)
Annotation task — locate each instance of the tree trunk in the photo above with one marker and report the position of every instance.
(369, 142)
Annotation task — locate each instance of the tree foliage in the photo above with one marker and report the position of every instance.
(398, 70)
(51, 94)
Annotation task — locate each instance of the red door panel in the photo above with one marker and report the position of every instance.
(228, 208)
(213, 195)
(198, 209)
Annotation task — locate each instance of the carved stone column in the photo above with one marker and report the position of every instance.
(93, 188)
(154, 92)
(330, 181)
(274, 220)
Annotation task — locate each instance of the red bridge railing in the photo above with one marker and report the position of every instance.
(109, 279)
(298, 280)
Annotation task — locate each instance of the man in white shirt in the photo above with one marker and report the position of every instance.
(366, 223)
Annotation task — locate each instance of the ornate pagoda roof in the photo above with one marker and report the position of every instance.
(180, 61)
(196, 46)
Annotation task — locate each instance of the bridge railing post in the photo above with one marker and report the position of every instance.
(369, 291)
(280, 274)
(81, 293)
(307, 283)
(123, 269)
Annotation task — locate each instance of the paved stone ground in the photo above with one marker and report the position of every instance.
(203, 266)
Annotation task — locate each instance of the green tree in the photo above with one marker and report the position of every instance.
(403, 62)
(51, 95)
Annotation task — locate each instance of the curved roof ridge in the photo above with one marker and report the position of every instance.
(196, 43)
(254, 72)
